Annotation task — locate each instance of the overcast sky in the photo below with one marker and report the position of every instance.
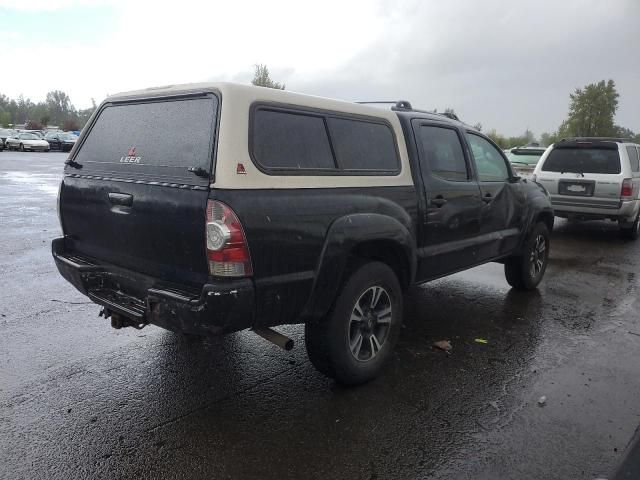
(507, 64)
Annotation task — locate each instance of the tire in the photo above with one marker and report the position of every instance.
(355, 341)
(632, 232)
(21, 147)
(525, 272)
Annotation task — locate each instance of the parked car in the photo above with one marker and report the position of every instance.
(5, 133)
(594, 179)
(61, 141)
(524, 160)
(27, 141)
(37, 133)
(212, 208)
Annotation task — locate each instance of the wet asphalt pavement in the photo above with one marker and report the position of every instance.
(81, 400)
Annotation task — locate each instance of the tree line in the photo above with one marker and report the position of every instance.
(56, 109)
(592, 111)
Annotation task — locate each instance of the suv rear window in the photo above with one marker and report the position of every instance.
(525, 155)
(583, 160)
(176, 133)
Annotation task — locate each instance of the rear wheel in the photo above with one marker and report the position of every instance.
(524, 272)
(632, 232)
(357, 338)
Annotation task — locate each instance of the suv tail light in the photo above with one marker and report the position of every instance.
(627, 188)
(227, 248)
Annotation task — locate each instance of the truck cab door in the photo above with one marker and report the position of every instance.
(450, 220)
(501, 218)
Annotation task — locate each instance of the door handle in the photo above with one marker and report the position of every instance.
(439, 201)
(487, 198)
(123, 199)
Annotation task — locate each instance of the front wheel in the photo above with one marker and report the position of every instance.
(357, 338)
(21, 147)
(524, 272)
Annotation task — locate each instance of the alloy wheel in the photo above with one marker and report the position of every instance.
(538, 256)
(370, 323)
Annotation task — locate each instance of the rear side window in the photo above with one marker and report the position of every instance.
(284, 140)
(443, 153)
(163, 134)
(361, 145)
(583, 160)
(290, 141)
(633, 158)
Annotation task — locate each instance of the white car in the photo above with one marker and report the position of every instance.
(594, 179)
(27, 141)
(524, 160)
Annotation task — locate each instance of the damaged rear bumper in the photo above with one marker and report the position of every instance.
(214, 309)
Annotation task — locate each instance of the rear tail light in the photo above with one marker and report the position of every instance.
(227, 248)
(627, 188)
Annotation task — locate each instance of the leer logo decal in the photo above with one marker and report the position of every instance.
(130, 157)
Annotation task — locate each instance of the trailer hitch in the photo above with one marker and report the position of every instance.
(120, 321)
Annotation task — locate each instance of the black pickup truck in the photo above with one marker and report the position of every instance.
(211, 208)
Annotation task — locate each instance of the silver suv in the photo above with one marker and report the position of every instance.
(594, 179)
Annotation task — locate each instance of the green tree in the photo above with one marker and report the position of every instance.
(591, 111)
(85, 113)
(59, 106)
(261, 78)
(510, 142)
(547, 138)
(5, 119)
(623, 132)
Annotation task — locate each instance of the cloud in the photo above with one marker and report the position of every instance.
(47, 5)
(507, 65)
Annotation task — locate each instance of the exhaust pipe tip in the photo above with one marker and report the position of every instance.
(274, 337)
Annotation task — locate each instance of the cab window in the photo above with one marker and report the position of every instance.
(490, 163)
(442, 152)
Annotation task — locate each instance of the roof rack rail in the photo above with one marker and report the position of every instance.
(598, 139)
(405, 105)
(397, 104)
